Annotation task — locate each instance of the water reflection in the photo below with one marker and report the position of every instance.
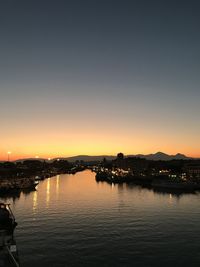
(89, 223)
(48, 192)
(27, 191)
(14, 195)
(35, 201)
(57, 184)
(171, 192)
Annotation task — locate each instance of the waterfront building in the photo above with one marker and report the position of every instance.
(193, 171)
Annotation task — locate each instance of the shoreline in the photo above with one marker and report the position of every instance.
(148, 181)
(17, 184)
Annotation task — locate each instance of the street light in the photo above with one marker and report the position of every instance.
(8, 153)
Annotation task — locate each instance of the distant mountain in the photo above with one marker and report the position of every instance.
(156, 156)
(162, 156)
(86, 158)
(39, 159)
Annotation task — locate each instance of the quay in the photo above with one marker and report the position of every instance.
(162, 182)
(27, 174)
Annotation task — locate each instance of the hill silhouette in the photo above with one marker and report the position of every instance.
(157, 156)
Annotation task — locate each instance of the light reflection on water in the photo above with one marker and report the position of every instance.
(48, 192)
(57, 184)
(73, 221)
(35, 203)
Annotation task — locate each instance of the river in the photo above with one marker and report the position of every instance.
(71, 220)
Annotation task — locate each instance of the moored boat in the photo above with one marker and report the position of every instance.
(8, 248)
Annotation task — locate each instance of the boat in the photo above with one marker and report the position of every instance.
(38, 178)
(8, 248)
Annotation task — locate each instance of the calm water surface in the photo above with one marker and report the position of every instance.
(73, 221)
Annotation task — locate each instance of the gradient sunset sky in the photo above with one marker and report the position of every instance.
(99, 77)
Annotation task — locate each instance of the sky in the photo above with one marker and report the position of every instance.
(99, 77)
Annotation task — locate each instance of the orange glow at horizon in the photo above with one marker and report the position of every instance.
(96, 137)
(97, 85)
(92, 144)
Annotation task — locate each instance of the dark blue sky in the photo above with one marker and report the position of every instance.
(130, 63)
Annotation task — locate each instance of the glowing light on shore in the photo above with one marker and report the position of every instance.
(8, 153)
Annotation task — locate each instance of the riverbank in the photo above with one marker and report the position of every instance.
(149, 181)
(18, 181)
(26, 174)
